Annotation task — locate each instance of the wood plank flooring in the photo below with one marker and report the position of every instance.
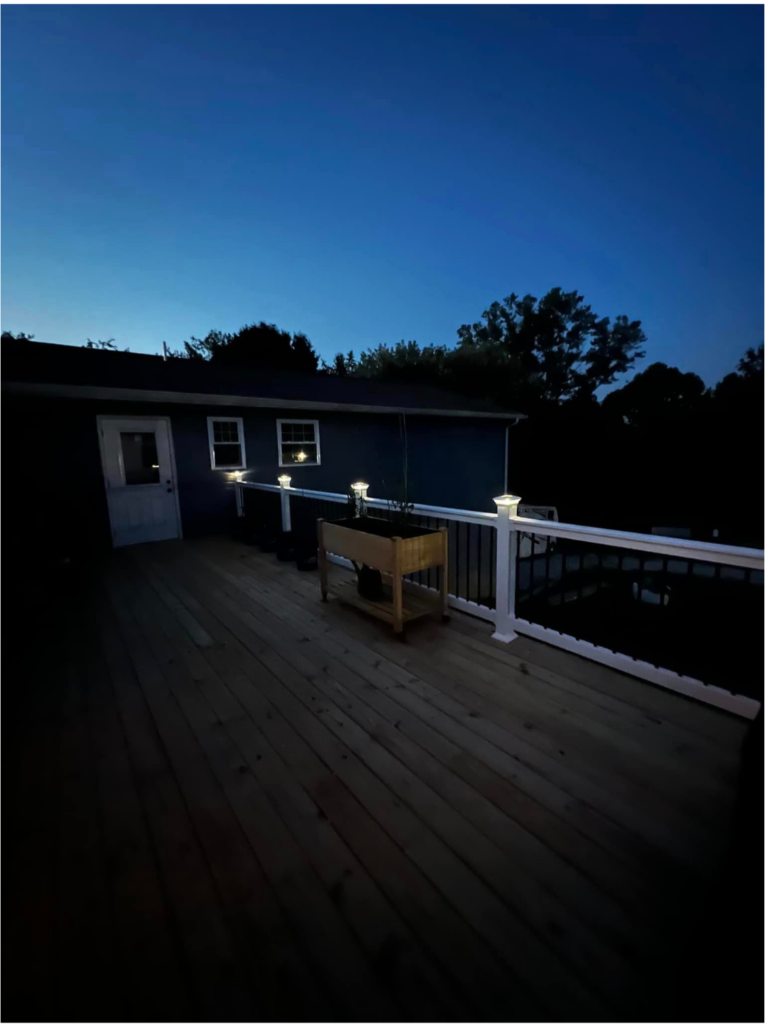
(231, 801)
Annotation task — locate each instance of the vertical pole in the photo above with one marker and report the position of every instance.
(444, 594)
(284, 483)
(507, 547)
(239, 499)
(398, 597)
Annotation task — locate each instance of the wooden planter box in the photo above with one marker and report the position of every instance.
(364, 540)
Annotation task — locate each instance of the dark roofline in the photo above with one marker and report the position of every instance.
(206, 398)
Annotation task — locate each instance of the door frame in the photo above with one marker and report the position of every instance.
(100, 420)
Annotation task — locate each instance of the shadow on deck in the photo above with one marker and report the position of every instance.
(226, 800)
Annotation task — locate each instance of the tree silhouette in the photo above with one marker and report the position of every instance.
(107, 346)
(259, 345)
(660, 391)
(21, 336)
(523, 352)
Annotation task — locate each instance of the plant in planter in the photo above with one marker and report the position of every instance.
(368, 580)
(378, 546)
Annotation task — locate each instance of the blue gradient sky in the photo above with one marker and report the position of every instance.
(367, 174)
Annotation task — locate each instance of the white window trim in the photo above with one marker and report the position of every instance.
(212, 442)
(292, 465)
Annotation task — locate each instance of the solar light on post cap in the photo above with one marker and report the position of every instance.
(360, 496)
(284, 481)
(509, 501)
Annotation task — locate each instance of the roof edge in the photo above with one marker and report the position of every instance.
(86, 391)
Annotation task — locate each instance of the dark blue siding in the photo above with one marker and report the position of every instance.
(452, 461)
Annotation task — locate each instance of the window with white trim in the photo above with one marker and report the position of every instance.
(226, 437)
(298, 442)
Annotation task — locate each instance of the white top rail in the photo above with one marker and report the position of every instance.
(650, 544)
(671, 547)
(436, 511)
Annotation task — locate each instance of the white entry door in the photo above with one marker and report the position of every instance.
(139, 471)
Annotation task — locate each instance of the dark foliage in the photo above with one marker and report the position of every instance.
(523, 353)
(259, 345)
(661, 451)
(21, 336)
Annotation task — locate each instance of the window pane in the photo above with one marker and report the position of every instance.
(228, 455)
(299, 453)
(303, 432)
(139, 457)
(225, 431)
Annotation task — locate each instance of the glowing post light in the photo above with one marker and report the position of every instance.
(284, 481)
(360, 496)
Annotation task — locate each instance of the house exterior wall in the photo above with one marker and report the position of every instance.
(456, 462)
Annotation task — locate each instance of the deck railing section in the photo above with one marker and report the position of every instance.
(682, 614)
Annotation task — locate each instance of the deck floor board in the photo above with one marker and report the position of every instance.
(237, 801)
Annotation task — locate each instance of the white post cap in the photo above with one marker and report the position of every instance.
(360, 488)
(509, 502)
(284, 480)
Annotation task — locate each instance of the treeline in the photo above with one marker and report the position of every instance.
(661, 450)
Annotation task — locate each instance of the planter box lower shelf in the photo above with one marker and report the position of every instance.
(414, 607)
(395, 550)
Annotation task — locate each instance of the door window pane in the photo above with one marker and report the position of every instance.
(139, 457)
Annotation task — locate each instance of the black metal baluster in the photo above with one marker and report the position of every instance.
(457, 558)
(663, 590)
(547, 569)
(641, 570)
(468, 559)
(532, 567)
(492, 563)
(480, 595)
(518, 587)
(430, 526)
(563, 570)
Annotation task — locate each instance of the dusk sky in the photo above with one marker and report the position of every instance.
(367, 174)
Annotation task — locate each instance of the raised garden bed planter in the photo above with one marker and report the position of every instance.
(394, 549)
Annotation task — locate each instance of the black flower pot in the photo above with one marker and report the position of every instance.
(306, 555)
(369, 583)
(285, 547)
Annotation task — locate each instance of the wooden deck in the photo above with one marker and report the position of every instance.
(226, 800)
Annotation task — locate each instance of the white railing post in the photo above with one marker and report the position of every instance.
(360, 497)
(284, 483)
(507, 545)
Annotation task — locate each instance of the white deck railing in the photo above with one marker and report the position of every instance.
(511, 527)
